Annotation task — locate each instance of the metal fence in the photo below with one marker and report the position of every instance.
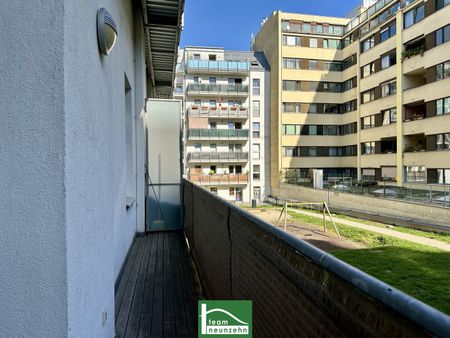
(296, 289)
(218, 89)
(218, 157)
(218, 66)
(217, 133)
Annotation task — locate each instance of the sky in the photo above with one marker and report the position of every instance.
(230, 23)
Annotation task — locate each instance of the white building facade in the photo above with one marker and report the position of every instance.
(225, 110)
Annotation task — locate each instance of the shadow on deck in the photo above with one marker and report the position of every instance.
(157, 293)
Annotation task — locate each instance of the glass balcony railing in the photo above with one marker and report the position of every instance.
(234, 89)
(218, 157)
(218, 133)
(214, 111)
(218, 66)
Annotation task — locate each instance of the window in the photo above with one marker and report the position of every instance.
(441, 4)
(256, 108)
(388, 61)
(443, 176)
(231, 125)
(291, 85)
(213, 148)
(213, 190)
(213, 125)
(443, 106)
(212, 103)
(387, 32)
(291, 107)
(256, 151)
(196, 80)
(368, 148)
(289, 151)
(306, 27)
(313, 42)
(389, 116)
(312, 108)
(289, 129)
(256, 129)
(196, 56)
(318, 28)
(368, 69)
(256, 172)
(367, 44)
(256, 86)
(442, 35)
(415, 173)
(330, 43)
(389, 88)
(312, 151)
(212, 80)
(198, 102)
(179, 89)
(347, 85)
(443, 141)
(231, 191)
(312, 64)
(291, 40)
(290, 63)
(413, 16)
(368, 122)
(368, 96)
(198, 147)
(443, 70)
(332, 66)
(212, 57)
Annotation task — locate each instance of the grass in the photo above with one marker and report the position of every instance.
(418, 270)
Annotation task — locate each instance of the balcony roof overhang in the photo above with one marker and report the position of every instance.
(163, 22)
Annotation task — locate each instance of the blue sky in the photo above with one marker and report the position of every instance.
(230, 23)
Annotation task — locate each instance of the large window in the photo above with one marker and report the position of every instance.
(291, 40)
(368, 96)
(291, 107)
(368, 122)
(443, 70)
(368, 70)
(256, 86)
(415, 173)
(413, 16)
(330, 43)
(291, 85)
(256, 108)
(256, 172)
(291, 63)
(443, 106)
(389, 88)
(313, 42)
(443, 141)
(388, 61)
(389, 116)
(367, 44)
(443, 176)
(442, 35)
(441, 4)
(332, 66)
(388, 32)
(256, 129)
(256, 155)
(368, 148)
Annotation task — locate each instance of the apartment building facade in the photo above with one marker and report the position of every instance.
(363, 97)
(225, 98)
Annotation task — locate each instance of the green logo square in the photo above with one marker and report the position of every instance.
(225, 318)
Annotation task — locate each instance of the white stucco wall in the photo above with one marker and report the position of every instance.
(33, 285)
(99, 227)
(65, 229)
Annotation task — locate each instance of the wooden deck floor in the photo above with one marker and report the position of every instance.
(156, 295)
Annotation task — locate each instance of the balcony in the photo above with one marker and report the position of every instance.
(229, 157)
(218, 112)
(217, 67)
(218, 134)
(217, 90)
(215, 179)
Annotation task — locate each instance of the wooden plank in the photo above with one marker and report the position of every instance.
(156, 327)
(124, 312)
(181, 324)
(135, 311)
(126, 275)
(169, 315)
(188, 286)
(147, 301)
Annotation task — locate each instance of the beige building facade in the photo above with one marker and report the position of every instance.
(366, 97)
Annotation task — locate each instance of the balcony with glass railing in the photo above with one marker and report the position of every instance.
(217, 157)
(215, 89)
(217, 134)
(213, 67)
(218, 111)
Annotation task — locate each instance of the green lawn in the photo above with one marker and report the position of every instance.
(418, 270)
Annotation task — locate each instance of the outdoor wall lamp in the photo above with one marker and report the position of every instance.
(106, 31)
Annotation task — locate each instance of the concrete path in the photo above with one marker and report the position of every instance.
(412, 238)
